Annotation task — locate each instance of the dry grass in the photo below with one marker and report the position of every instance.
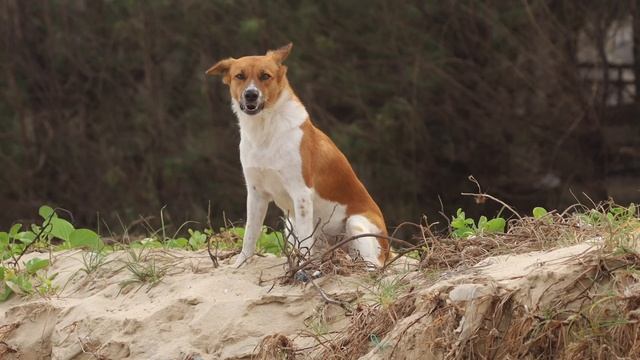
(597, 320)
(368, 326)
(596, 315)
(617, 226)
(339, 262)
(524, 235)
(275, 347)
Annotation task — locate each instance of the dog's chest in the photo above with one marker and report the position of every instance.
(281, 151)
(274, 166)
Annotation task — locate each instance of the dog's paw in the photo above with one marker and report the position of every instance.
(240, 260)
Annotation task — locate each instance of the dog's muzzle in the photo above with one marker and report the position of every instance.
(251, 102)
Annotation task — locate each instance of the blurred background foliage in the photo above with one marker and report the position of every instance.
(105, 109)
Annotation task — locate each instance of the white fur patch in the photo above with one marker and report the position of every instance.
(272, 165)
(271, 124)
(329, 216)
(366, 247)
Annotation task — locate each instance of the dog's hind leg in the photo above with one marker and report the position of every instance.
(368, 248)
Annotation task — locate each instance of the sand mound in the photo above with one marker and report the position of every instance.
(579, 301)
(572, 302)
(193, 312)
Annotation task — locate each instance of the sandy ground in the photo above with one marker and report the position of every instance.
(194, 312)
(200, 312)
(530, 279)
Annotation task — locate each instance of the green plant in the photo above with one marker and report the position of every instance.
(52, 227)
(21, 280)
(14, 242)
(179, 243)
(317, 324)
(464, 227)
(197, 240)
(386, 291)
(619, 226)
(612, 215)
(146, 243)
(92, 260)
(143, 270)
(539, 212)
(269, 241)
(45, 286)
(14, 282)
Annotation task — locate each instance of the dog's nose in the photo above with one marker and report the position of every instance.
(251, 95)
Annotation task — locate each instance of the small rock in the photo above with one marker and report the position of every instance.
(301, 276)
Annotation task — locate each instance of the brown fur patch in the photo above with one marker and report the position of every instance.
(327, 170)
(239, 73)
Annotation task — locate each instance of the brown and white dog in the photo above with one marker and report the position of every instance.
(286, 159)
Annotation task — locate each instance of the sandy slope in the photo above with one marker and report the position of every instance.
(195, 312)
(198, 312)
(531, 280)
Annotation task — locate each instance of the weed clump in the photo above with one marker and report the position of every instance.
(370, 322)
(275, 347)
(614, 226)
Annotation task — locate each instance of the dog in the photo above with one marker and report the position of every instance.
(287, 160)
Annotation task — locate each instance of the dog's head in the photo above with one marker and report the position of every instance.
(255, 82)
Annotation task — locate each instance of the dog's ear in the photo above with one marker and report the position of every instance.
(282, 72)
(280, 54)
(221, 68)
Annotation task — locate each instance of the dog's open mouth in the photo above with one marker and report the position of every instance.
(251, 108)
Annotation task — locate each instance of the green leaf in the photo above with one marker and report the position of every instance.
(85, 238)
(179, 243)
(197, 239)
(20, 285)
(5, 294)
(25, 237)
(2, 271)
(16, 249)
(539, 212)
(47, 212)
(481, 222)
(272, 242)
(463, 233)
(462, 227)
(4, 239)
(460, 223)
(36, 264)
(238, 231)
(61, 228)
(14, 230)
(495, 225)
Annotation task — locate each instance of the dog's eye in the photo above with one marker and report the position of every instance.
(240, 76)
(265, 76)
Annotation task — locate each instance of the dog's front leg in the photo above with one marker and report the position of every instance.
(303, 227)
(256, 210)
